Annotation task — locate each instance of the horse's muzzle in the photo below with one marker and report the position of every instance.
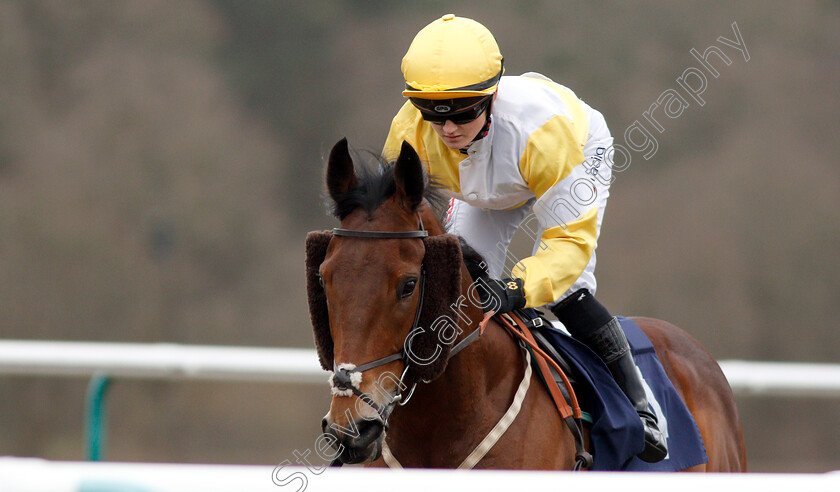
(359, 441)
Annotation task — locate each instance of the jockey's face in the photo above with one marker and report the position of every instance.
(459, 136)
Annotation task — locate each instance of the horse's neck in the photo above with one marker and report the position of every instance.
(475, 389)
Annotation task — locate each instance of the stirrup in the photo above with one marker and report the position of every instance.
(656, 447)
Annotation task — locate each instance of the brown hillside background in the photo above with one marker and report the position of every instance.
(160, 164)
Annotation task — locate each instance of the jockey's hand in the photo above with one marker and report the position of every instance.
(501, 296)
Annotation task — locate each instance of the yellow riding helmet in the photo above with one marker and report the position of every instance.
(450, 58)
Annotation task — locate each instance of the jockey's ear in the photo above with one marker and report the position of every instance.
(408, 174)
(341, 177)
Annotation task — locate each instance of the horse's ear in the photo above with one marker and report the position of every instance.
(408, 174)
(341, 177)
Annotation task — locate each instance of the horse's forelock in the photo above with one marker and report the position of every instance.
(376, 184)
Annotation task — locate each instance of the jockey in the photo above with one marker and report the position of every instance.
(503, 147)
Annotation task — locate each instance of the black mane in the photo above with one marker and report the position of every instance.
(375, 178)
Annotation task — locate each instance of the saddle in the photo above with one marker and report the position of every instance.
(616, 433)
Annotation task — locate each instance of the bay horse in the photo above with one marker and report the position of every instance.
(386, 300)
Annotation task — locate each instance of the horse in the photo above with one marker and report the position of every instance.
(386, 292)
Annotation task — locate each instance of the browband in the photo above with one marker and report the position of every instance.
(379, 234)
(421, 232)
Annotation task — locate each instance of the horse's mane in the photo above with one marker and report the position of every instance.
(375, 178)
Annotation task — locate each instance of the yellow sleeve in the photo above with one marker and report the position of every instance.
(552, 153)
(561, 258)
(400, 131)
(440, 161)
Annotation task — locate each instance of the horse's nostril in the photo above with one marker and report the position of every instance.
(325, 425)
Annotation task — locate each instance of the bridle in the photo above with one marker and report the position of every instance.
(342, 379)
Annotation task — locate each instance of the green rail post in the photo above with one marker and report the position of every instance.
(95, 416)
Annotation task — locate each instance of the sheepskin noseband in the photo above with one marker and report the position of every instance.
(429, 344)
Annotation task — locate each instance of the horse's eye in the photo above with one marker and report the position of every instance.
(321, 280)
(407, 288)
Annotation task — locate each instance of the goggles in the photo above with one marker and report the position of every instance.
(459, 111)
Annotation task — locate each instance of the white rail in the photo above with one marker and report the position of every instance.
(36, 475)
(159, 361)
(173, 361)
(783, 378)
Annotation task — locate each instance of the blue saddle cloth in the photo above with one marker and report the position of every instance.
(617, 434)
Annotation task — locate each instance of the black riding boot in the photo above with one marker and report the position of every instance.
(579, 313)
(615, 351)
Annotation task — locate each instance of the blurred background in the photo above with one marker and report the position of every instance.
(161, 162)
